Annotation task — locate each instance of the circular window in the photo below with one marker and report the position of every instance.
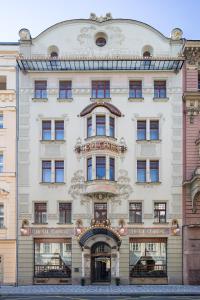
(100, 41)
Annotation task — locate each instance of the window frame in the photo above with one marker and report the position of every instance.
(145, 170)
(41, 91)
(57, 130)
(1, 163)
(96, 90)
(135, 210)
(155, 168)
(38, 219)
(135, 86)
(67, 214)
(159, 210)
(100, 219)
(57, 168)
(158, 89)
(2, 217)
(99, 166)
(100, 124)
(67, 89)
(46, 168)
(45, 129)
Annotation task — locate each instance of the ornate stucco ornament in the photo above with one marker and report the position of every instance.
(192, 55)
(24, 34)
(176, 34)
(94, 17)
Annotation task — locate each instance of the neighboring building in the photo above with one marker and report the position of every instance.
(8, 53)
(191, 155)
(100, 154)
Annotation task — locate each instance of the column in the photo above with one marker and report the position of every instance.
(117, 264)
(83, 263)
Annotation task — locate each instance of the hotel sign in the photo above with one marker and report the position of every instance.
(149, 231)
(47, 232)
(100, 145)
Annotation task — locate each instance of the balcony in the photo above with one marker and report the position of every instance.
(101, 188)
(7, 95)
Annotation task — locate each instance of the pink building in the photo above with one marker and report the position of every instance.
(191, 166)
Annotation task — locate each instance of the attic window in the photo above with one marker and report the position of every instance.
(100, 41)
(54, 54)
(146, 54)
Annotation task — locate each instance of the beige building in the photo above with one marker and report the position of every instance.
(8, 53)
(100, 154)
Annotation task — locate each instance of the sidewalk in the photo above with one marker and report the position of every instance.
(126, 290)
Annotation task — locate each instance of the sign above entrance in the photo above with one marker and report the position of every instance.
(149, 231)
(100, 145)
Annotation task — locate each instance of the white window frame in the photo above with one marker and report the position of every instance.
(148, 170)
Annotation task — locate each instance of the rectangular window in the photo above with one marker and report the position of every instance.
(141, 170)
(160, 89)
(89, 127)
(148, 257)
(101, 89)
(112, 126)
(59, 171)
(141, 130)
(89, 168)
(154, 170)
(135, 89)
(46, 171)
(100, 167)
(65, 89)
(1, 216)
(2, 83)
(52, 258)
(160, 212)
(46, 130)
(41, 89)
(1, 120)
(59, 130)
(100, 211)
(199, 81)
(40, 213)
(65, 213)
(154, 130)
(135, 212)
(100, 125)
(112, 169)
(1, 162)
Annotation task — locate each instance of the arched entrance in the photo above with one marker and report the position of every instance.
(100, 262)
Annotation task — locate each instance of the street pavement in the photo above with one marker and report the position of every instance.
(54, 297)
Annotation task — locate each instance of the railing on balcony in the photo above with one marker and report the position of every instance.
(148, 270)
(53, 271)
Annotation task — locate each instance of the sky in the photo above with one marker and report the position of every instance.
(37, 15)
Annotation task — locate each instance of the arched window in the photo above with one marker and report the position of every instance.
(146, 54)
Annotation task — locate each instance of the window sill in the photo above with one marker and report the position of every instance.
(100, 136)
(39, 223)
(66, 224)
(157, 223)
(39, 99)
(136, 99)
(132, 223)
(161, 99)
(148, 182)
(65, 99)
(52, 141)
(101, 180)
(100, 99)
(149, 141)
(52, 183)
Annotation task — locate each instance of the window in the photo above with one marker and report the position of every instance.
(154, 130)
(65, 89)
(100, 167)
(135, 89)
(46, 171)
(146, 54)
(112, 127)
(100, 211)
(65, 213)
(100, 125)
(100, 41)
(89, 168)
(2, 82)
(198, 80)
(40, 213)
(154, 170)
(148, 257)
(100, 89)
(135, 212)
(112, 168)
(52, 258)
(59, 130)
(1, 216)
(160, 212)
(141, 130)
(1, 163)
(46, 130)
(141, 171)
(59, 171)
(54, 54)
(89, 127)
(160, 89)
(1, 120)
(41, 89)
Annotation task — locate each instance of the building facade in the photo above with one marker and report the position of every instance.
(100, 154)
(191, 155)
(8, 54)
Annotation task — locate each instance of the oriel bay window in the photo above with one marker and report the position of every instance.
(41, 89)
(65, 89)
(89, 127)
(160, 89)
(112, 169)
(135, 89)
(59, 171)
(104, 168)
(101, 89)
(160, 212)
(112, 127)
(148, 258)
(52, 258)
(89, 169)
(65, 213)
(135, 212)
(103, 125)
(100, 167)
(40, 213)
(100, 125)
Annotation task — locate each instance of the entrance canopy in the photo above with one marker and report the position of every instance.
(91, 232)
(86, 64)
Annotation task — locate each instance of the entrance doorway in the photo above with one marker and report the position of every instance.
(1, 269)
(101, 262)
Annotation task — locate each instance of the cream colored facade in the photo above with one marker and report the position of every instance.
(8, 53)
(74, 42)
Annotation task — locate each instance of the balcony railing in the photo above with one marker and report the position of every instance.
(53, 271)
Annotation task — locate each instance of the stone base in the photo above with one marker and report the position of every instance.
(152, 280)
(52, 281)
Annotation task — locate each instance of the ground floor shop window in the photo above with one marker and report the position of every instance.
(148, 257)
(52, 258)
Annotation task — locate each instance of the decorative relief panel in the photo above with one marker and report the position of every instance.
(147, 149)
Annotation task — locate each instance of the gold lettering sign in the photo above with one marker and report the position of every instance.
(100, 145)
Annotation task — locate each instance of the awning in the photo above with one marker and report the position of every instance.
(142, 64)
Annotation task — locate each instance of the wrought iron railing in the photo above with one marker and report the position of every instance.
(52, 271)
(149, 270)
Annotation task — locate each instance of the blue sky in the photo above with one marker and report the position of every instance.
(37, 15)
